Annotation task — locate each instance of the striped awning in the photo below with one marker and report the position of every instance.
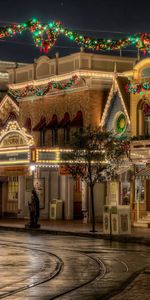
(143, 173)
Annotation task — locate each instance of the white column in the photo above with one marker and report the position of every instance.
(66, 194)
(70, 198)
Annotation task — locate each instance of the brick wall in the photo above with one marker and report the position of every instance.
(89, 102)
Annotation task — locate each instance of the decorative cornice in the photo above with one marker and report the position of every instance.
(13, 127)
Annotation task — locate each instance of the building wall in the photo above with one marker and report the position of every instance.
(88, 101)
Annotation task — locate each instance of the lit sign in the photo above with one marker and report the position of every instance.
(47, 156)
(14, 157)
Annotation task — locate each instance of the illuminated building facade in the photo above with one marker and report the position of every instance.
(43, 104)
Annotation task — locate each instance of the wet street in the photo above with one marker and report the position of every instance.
(44, 266)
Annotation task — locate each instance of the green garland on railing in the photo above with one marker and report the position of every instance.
(138, 88)
(31, 90)
(45, 37)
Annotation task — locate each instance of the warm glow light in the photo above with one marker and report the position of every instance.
(32, 167)
(56, 78)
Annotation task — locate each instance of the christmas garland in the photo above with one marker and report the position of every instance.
(31, 90)
(45, 37)
(138, 88)
(121, 123)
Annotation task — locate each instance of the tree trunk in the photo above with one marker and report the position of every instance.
(92, 205)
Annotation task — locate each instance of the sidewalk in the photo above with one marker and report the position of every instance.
(77, 228)
(138, 289)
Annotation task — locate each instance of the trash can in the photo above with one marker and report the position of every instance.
(116, 219)
(124, 219)
(120, 219)
(56, 209)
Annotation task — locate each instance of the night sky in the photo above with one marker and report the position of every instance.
(98, 18)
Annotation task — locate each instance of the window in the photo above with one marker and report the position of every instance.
(147, 125)
(13, 189)
(66, 135)
(139, 190)
(120, 123)
(42, 138)
(146, 110)
(145, 72)
(54, 137)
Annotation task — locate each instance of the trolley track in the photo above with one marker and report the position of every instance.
(103, 259)
(54, 273)
(59, 268)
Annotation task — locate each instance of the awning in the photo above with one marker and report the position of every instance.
(143, 173)
(28, 125)
(123, 170)
(14, 171)
(65, 121)
(41, 125)
(53, 122)
(78, 120)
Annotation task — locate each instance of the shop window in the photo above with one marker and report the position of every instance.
(13, 189)
(29, 184)
(139, 190)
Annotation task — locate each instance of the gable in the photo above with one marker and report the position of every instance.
(7, 106)
(115, 117)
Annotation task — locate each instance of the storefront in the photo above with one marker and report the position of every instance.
(15, 146)
(23, 166)
(142, 192)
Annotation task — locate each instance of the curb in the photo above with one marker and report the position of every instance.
(116, 238)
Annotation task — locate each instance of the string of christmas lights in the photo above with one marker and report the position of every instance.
(46, 35)
(32, 90)
(138, 88)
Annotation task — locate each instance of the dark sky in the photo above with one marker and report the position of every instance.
(89, 17)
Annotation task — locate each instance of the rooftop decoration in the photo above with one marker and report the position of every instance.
(138, 88)
(120, 123)
(46, 35)
(33, 90)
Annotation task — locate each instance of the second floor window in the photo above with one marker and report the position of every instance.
(66, 135)
(54, 137)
